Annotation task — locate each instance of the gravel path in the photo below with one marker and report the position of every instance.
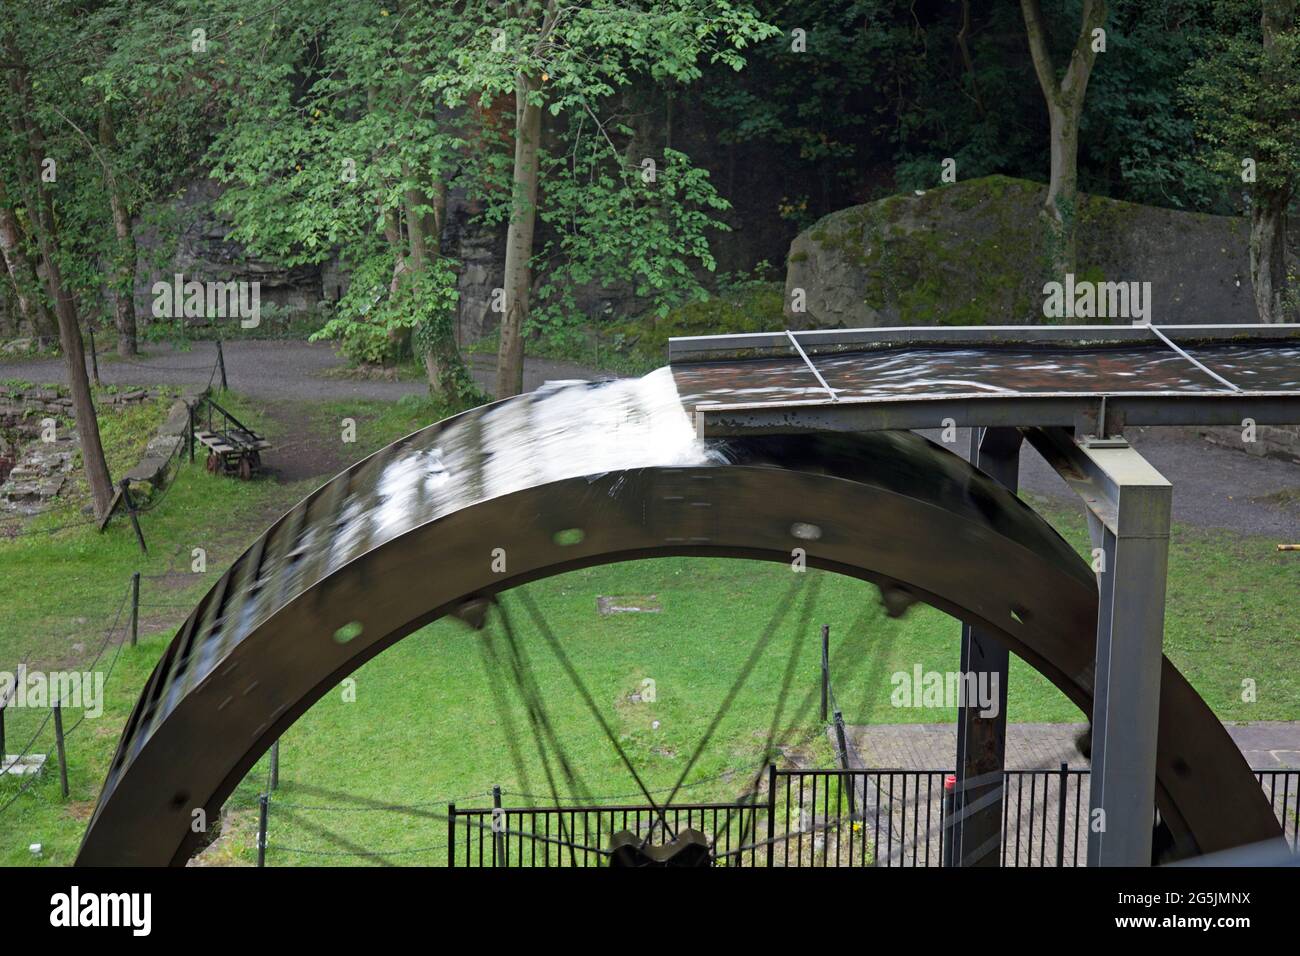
(1214, 487)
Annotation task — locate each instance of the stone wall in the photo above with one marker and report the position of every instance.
(187, 236)
(33, 472)
(22, 407)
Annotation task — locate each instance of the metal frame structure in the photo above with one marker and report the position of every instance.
(1088, 412)
(577, 475)
(1128, 505)
(981, 740)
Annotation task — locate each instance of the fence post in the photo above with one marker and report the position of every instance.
(221, 362)
(451, 835)
(826, 668)
(842, 741)
(3, 704)
(263, 813)
(58, 741)
(125, 485)
(947, 845)
(135, 608)
(275, 765)
(189, 432)
(771, 814)
(498, 838)
(1060, 816)
(94, 358)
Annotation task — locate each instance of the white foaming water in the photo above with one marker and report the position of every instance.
(581, 429)
(565, 430)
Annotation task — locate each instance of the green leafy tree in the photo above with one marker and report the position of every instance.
(561, 59)
(45, 169)
(1245, 94)
(649, 229)
(147, 123)
(330, 147)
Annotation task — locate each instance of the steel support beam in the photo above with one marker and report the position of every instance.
(981, 736)
(1129, 512)
(996, 410)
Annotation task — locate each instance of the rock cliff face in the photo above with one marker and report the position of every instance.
(480, 252)
(202, 249)
(974, 253)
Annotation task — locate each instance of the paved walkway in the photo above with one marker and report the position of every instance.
(1031, 801)
(271, 369)
(1214, 487)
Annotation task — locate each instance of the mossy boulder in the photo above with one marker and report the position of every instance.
(976, 253)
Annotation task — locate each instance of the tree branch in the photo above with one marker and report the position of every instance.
(1038, 51)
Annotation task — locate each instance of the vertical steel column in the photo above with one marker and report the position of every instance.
(1128, 504)
(1130, 638)
(981, 740)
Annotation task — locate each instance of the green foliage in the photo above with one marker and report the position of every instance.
(591, 49)
(647, 229)
(1137, 137)
(743, 304)
(323, 139)
(374, 316)
(1246, 102)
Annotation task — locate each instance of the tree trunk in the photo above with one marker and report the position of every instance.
(11, 317)
(415, 226)
(1065, 100)
(1268, 257)
(1268, 211)
(122, 277)
(31, 306)
(1062, 188)
(519, 240)
(74, 360)
(65, 309)
(968, 63)
(443, 353)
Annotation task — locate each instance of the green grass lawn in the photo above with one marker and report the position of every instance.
(428, 725)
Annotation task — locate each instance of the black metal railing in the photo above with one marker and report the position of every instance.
(828, 818)
(579, 836)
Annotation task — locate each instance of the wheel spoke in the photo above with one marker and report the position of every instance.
(540, 623)
(787, 680)
(492, 666)
(846, 664)
(542, 729)
(755, 653)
